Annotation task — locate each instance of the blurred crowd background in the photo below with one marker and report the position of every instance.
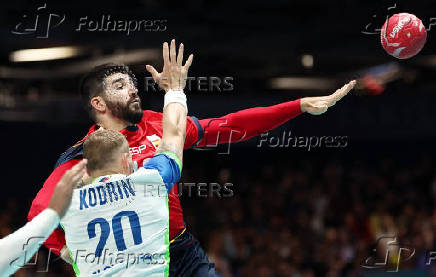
(294, 211)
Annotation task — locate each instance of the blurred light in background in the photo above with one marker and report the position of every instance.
(307, 61)
(302, 83)
(44, 54)
(71, 68)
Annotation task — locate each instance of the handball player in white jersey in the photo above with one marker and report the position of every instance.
(118, 224)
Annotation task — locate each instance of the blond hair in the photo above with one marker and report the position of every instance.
(101, 147)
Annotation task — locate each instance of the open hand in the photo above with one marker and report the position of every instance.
(174, 74)
(319, 105)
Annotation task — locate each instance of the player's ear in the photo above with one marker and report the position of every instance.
(98, 103)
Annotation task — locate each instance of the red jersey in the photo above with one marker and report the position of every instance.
(144, 138)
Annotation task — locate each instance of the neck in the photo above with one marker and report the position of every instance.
(99, 173)
(112, 123)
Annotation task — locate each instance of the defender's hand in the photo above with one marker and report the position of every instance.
(61, 197)
(174, 74)
(319, 105)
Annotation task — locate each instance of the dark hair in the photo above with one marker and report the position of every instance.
(91, 84)
(101, 147)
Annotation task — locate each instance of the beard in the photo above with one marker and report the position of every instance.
(130, 111)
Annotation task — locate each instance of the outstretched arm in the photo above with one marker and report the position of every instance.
(245, 124)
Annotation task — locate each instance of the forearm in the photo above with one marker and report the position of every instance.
(248, 123)
(21, 245)
(174, 128)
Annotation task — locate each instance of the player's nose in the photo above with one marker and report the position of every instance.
(133, 92)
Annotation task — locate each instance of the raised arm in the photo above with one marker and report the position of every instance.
(175, 108)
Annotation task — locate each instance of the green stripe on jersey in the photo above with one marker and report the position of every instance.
(75, 267)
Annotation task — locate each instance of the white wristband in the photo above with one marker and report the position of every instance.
(175, 96)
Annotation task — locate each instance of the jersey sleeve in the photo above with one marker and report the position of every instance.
(169, 167)
(21, 245)
(245, 124)
(194, 132)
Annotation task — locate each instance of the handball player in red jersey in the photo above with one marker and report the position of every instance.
(110, 95)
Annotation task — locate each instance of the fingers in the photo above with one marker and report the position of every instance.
(79, 166)
(180, 55)
(76, 172)
(171, 56)
(153, 72)
(189, 61)
(340, 93)
(173, 51)
(78, 176)
(166, 53)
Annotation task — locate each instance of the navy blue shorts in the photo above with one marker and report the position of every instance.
(188, 259)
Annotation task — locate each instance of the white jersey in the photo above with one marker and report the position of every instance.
(119, 225)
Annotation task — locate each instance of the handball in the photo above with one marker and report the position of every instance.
(403, 35)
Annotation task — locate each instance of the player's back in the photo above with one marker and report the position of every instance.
(118, 225)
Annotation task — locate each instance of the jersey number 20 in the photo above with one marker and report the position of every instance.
(117, 231)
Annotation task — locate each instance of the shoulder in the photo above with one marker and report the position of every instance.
(167, 164)
(146, 175)
(152, 116)
(74, 152)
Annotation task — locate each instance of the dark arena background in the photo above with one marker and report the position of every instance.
(347, 193)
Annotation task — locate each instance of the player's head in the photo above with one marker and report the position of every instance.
(111, 89)
(107, 152)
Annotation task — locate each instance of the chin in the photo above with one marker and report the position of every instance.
(135, 116)
(136, 108)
